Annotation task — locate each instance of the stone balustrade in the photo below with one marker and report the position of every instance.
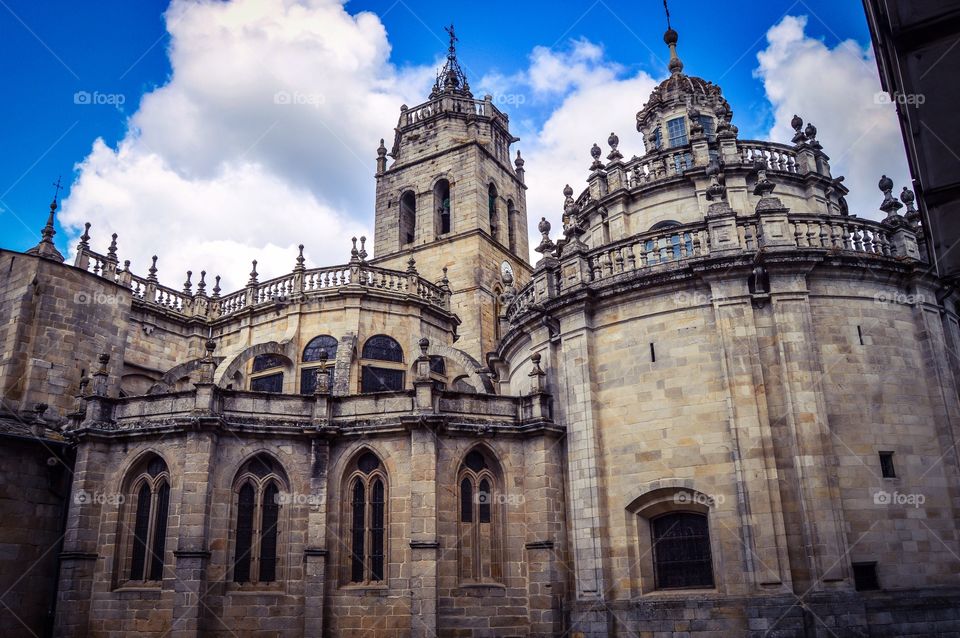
(678, 246)
(410, 116)
(297, 286)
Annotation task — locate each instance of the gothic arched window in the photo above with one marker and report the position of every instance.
(479, 524)
(149, 493)
(681, 551)
(365, 518)
(382, 367)
(492, 209)
(442, 207)
(257, 490)
(308, 374)
(408, 217)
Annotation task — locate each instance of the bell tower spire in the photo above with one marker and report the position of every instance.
(454, 197)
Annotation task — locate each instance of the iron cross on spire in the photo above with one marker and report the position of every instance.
(57, 188)
(453, 38)
(666, 10)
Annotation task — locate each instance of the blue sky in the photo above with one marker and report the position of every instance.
(76, 72)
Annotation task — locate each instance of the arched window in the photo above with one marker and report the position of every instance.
(365, 519)
(408, 217)
(308, 374)
(681, 551)
(271, 367)
(492, 209)
(149, 493)
(479, 524)
(387, 374)
(511, 223)
(442, 206)
(257, 490)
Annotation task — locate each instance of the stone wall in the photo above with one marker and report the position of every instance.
(34, 483)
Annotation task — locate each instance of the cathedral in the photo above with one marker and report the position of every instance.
(719, 404)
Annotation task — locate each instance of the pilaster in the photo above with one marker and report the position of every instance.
(192, 554)
(424, 546)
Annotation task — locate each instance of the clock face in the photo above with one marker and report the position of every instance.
(506, 269)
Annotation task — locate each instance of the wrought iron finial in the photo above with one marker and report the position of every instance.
(56, 189)
(451, 77)
(670, 38)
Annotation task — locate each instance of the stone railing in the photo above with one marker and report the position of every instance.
(776, 157)
(674, 247)
(674, 162)
(301, 284)
(447, 104)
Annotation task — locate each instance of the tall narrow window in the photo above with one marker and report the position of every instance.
(408, 217)
(886, 465)
(442, 206)
(677, 132)
(367, 517)
(257, 524)
(479, 539)
(511, 223)
(492, 210)
(150, 493)
(681, 551)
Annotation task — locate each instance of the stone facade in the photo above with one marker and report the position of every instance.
(707, 410)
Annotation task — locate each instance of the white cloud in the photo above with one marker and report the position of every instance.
(263, 138)
(837, 90)
(591, 101)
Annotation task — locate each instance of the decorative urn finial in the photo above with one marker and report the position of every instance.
(613, 141)
(595, 153)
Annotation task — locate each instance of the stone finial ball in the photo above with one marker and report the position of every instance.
(796, 122)
(567, 191)
(595, 151)
(670, 37)
(885, 183)
(543, 226)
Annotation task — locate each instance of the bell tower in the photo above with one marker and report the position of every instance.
(452, 198)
